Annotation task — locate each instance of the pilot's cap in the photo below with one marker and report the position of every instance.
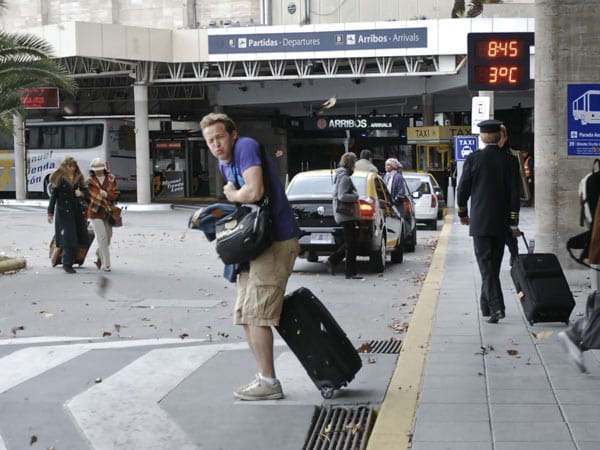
(489, 126)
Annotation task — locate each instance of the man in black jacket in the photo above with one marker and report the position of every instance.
(487, 179)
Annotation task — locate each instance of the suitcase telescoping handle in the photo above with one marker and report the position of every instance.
(530, 246)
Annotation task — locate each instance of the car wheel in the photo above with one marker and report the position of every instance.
(398, 254)
(412, 242)
(433, 225)
(440, 214)
(377, 257)
(312, 257)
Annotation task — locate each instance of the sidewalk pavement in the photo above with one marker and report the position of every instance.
(464, 384)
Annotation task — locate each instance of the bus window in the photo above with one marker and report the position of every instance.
(6, 142)
(74, 137)
(50, 137)
(126, 138)
(93, 135)
(87, 136)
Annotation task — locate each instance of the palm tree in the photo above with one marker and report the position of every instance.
(25, 62)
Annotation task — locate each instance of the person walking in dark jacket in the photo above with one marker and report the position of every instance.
(65, 208)
(345, 213)
(487, 180)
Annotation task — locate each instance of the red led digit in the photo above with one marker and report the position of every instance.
(493, 75)
(512, 76)
(513, 49)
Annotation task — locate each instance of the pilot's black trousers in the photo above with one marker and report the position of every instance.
(489, 251)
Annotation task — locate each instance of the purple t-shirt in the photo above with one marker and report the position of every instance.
(246, 154)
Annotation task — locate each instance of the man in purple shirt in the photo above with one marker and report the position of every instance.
(261, 288)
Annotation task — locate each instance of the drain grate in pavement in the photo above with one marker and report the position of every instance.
(340, 428)
(390, 346)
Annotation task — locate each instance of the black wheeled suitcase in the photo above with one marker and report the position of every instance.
(318, 341)
(542, 287)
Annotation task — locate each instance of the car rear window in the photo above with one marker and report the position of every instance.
(320, 185)
(416, 184)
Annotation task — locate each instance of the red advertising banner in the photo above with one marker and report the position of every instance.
(40, 98)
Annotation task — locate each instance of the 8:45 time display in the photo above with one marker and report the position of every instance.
(499, 61)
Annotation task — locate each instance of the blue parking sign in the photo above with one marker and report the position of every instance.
(464, 146)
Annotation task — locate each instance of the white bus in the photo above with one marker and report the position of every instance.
(48, 143)
(586, 107)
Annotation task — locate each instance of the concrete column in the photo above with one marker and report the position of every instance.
(142, 143)
(566, 51)
(20, 157)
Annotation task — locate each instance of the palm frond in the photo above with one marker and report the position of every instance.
(14, 44)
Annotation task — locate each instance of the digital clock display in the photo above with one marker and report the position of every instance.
(499, 61)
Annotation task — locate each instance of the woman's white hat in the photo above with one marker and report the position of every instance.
(98, 164)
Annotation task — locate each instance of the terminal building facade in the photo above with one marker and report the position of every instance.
(388, 65)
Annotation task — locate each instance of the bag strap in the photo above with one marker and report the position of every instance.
(580, 259)
(525, 241)
(265, 172)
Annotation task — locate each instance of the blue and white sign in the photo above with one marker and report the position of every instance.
(317, 41)
(464, 146)
(583, 119)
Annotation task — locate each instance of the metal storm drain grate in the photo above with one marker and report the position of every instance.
(340, 428)
(390, 346)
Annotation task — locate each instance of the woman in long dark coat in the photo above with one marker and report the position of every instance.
(68, 189)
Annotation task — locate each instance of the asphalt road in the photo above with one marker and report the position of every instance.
(135, 358)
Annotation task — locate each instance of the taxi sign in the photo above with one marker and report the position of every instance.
(464, 146)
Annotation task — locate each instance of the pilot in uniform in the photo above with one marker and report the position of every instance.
(487, 179)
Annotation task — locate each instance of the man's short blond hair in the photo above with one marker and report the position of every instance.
(212, 118)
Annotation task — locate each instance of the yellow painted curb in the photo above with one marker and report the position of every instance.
(12, 264)
(394, 425)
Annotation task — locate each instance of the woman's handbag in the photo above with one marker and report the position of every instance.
(114, 217)
(244, 234)
(346, 208)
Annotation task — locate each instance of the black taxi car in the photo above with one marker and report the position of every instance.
(380, 226)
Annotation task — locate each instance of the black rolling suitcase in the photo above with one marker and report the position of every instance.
(542, 287)
(318, 341)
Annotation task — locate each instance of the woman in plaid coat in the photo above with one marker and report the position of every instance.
(103, 191)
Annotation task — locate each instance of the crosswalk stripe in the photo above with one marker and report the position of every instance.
(123, 411)
(27, 363)
(43, 340)
(24, 364)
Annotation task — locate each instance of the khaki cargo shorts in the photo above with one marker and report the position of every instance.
(261, 290)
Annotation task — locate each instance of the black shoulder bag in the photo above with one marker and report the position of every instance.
(246, 233)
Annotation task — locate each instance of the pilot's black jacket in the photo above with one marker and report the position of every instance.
(488, 178)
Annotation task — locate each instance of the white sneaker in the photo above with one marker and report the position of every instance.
(573, 350)
(257, 389)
